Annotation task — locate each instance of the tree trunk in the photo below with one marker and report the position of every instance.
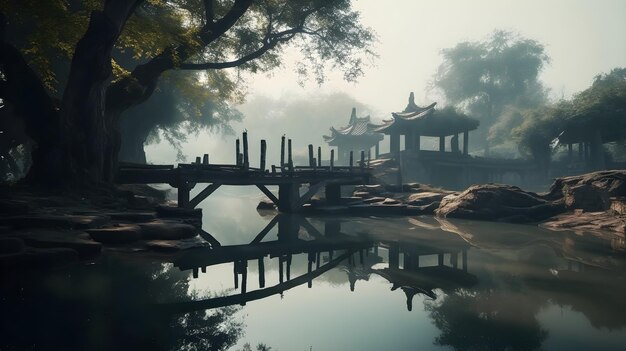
(87, 132)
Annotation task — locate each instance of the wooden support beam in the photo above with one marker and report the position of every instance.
(263, 152)
(203, 195)
(466, 142)
(313, 189)
(183, 194)
(265, 230)
(205, 159)
(332, 159)
(268, 193)
(198, 160)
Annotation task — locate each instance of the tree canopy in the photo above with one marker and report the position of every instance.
(114, 54)
(485, 78)
(600, 107)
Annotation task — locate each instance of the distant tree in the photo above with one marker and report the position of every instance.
(484, 78)
(602, 106)
(129, 44)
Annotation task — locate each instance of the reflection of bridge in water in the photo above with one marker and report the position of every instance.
(406, 269)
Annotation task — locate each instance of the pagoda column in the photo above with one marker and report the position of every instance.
(417, 142)
(442, 144)
(394, 142)
(377, 150)
(408, 141)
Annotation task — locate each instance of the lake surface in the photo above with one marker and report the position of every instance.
(332, 283)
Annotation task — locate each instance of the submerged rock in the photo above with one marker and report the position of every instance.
(580, 221)
(498, 202)
(178, 212)
(266, 205)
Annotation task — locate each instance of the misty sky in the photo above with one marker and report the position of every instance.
(582, 37)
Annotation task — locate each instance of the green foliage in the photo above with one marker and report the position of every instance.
(601, 106)
(487, 78)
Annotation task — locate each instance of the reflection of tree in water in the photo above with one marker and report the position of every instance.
(487, 320)
(109, 306)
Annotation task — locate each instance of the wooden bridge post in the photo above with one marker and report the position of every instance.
(246, 159)
(198, 160)
(333, 193)
(205, 159)
(282, 152)
(289, 156)
(351, 159)
(311, 158)
(237, 151)
(183, 194)
(263, 151)
(332, 159)
(288, 197)
(319, 156)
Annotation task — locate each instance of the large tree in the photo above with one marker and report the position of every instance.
(601, 107)
(487, 78)
(78, 137)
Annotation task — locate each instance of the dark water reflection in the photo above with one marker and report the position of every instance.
(319, 283)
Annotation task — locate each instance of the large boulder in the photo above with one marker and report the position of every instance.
(424, 198)
(496, 202)
(606, 184)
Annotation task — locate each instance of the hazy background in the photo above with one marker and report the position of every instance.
(583, 38)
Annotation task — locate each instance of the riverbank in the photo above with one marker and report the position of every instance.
(40, 229)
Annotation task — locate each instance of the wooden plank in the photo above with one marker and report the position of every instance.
(203, 195)
(268, 193)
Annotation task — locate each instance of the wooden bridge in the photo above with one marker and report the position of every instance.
(287, 177)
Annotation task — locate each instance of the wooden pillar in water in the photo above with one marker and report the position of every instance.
(464, 258)
(394, 255)
(288, 197)
(440, 259)
(198, 160)
(205, 159)
(263, 153)
(333, 193)
(466, 142)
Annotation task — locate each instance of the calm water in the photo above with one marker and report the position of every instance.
(338, 283)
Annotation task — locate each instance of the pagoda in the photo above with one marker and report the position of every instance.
(358, 135)
(415, 122)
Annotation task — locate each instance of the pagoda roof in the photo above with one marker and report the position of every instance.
(427, 121)
(361, 128)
